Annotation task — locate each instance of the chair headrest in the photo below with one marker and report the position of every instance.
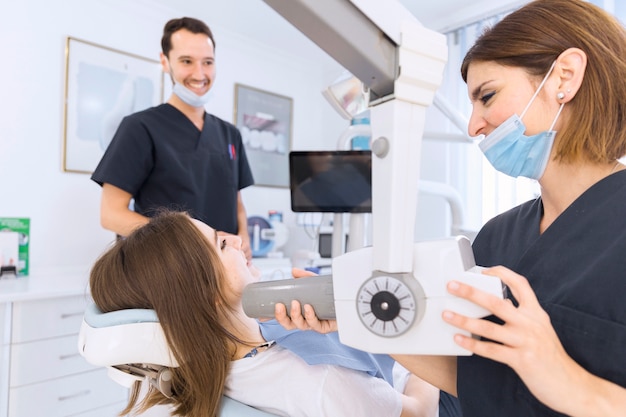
(96, 318)
(123, 337)
(134, 336)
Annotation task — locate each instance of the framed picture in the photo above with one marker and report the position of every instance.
(265, 122)
(102, 85)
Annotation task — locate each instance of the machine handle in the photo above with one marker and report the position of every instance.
(260, 298)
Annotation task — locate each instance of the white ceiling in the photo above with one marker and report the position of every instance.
(256, 20)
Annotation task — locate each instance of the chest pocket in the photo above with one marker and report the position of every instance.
(222, 170)
(595, 343)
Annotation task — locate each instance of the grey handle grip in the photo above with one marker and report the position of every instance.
(260, 298)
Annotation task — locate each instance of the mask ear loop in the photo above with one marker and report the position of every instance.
(538, 90)
(558, 113)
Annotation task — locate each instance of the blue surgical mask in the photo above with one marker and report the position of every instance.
(515, 154)
(189, 96)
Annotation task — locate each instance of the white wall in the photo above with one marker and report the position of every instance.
(64, 207)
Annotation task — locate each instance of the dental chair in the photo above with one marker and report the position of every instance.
(131, 344)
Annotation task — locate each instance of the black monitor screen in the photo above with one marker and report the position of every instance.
(331, 181)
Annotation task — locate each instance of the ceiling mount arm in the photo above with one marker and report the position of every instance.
(348, 36)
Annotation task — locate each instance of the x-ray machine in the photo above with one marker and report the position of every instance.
(388, 298)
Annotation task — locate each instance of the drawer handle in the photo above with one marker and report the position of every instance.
(72, 355)
(78, 394)
(68, 315)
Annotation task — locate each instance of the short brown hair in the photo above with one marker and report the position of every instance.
(535, 35)
(188, 23)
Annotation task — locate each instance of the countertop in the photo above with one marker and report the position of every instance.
(44, 284)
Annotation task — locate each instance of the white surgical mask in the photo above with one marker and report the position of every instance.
(515, 154)
(189, 97)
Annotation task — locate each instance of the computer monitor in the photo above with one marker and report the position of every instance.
(331, 181)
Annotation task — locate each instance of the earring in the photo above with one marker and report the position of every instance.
(560, 95)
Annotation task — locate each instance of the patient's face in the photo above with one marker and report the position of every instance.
(228, 247)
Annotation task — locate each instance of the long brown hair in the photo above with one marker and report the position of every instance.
(535, 35)
(169, 266)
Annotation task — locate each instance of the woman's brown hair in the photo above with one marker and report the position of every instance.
(535, 35)
(169, 266)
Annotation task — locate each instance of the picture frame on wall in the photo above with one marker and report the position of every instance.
(265, 122)
(102, 86)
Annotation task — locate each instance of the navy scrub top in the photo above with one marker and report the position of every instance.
(162, 160)
(577, 268)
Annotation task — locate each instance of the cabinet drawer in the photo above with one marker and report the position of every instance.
(46, 359)
(67, 396)
(42, 319)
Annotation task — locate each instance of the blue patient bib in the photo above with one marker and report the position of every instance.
(316, 348)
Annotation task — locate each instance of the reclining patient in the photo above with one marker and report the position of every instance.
(193, 279)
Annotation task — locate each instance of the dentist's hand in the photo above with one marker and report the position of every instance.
(528, 343)
(297, 321)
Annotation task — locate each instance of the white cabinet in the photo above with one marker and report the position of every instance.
(47, 376)
(46, 318)
(68, 396)
(3, 326)
(5, 360)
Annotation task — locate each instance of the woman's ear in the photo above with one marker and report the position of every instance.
(570, 68)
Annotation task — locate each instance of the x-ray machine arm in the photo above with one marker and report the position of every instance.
(401, 63)
(388, 297)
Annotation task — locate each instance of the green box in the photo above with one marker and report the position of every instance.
(22, 227)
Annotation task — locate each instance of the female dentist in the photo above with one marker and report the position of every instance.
(548, 92)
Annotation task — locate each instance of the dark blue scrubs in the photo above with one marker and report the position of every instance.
(161, 158)
(577, 268)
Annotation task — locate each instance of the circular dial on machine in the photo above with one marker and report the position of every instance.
(386, 306)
